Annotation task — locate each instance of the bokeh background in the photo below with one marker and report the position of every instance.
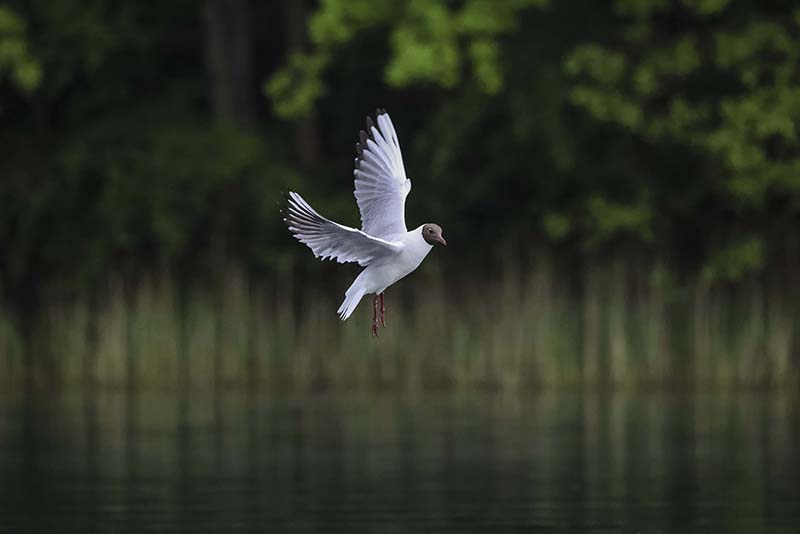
(619, 183)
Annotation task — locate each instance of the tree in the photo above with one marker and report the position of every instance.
(16, 60)
(719, 79)
(429, 40)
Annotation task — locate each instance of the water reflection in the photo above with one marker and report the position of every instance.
(564, 462)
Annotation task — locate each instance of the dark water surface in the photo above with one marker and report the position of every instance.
(564, 462)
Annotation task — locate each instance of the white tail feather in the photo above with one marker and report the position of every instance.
(352, 297)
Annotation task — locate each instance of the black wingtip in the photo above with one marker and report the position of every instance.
(283, 206)
(363, 135)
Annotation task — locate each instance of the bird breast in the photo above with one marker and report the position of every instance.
(385, 273)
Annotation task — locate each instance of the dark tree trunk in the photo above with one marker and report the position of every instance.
(25, 302)
(184, 379)
(252, 333)
(92, 339)
(129, 295)
(219, 253)
(306, 131)
(229, 60)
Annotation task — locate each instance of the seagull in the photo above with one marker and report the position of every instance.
(383, 246)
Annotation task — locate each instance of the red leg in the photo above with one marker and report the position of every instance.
(375, 316)
(383, 313)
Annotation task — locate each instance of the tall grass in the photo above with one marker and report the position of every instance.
(615, 326)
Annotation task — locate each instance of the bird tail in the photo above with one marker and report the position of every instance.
(352, 297)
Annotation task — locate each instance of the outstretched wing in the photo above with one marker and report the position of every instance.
(380, 179)
(330, 240)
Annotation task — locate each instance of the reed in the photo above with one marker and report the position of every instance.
(614, 328)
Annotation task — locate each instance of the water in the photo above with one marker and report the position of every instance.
(560, 462)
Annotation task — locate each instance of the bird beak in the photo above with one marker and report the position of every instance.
(441, 240)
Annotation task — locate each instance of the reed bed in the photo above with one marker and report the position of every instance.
(614, 327)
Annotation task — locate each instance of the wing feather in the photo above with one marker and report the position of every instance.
(381, 185)
(330, 240)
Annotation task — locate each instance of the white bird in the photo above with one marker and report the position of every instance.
(384, 246)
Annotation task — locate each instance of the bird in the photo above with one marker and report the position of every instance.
(386, 249)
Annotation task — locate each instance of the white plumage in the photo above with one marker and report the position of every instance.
(384, 246)
(330, 240)
(380, 180)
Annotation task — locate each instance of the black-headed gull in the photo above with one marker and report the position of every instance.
(383, 245)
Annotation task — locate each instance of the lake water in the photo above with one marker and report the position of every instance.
(553, 462)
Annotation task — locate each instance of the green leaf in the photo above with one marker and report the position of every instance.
(15, 58)
(738, 259)
(485, 55)
(556, 225)
(295, 88)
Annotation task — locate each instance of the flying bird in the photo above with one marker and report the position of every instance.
(383, 246)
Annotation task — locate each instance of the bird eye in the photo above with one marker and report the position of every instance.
(430, 230)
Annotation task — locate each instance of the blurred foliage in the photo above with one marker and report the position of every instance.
(664, 130)
(15, 58)
(694, 106)
(736, 260)
(431, 41)
(113, 163)
(721, 79)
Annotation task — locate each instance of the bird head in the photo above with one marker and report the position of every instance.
(432, 234)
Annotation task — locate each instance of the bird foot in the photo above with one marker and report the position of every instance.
(375, 320)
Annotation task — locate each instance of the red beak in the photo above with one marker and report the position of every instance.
(441, 240)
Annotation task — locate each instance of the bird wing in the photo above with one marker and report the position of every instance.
(328, 239)
(380, 179)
